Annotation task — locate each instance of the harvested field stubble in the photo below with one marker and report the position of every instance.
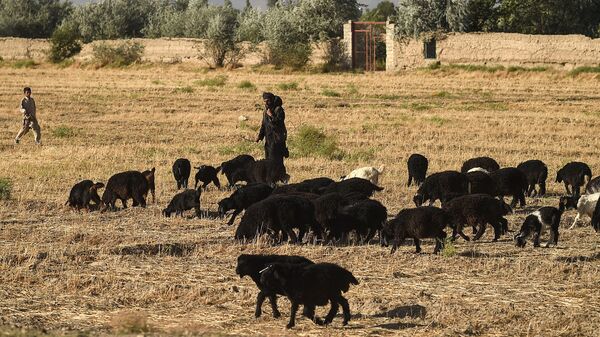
(133, 271)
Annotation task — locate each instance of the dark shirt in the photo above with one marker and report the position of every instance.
(273, 128)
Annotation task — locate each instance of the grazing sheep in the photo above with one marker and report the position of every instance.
(538, 222)
(207, 174)
(82, 193)
(477, 209)
(596, 218)
(123, 186)
(184, 201)
(536, 173)
(510, 181)
(243, 198)
(253, 265)
(416, 223)
(229, 167)
(355, 186)
(368, 173)
(309, 186)
(417, 168)
(585, 204)
(481, 182)
(593, 186)
(276, 214)
(268, 171)
(366, 217)
(181, 172)
(311, 285)
(149, 174)
(440, 186)
(485, 163)
(574, 174)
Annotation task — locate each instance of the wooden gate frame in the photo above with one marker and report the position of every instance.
(370, 43)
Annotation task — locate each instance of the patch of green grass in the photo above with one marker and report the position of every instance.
(477, 67)
(5, 188)
(287, 86)
(592, 113)
(361, 155)
(63, 131)
(514, 69)
(157, 82)
(390, 97)
(246, 85)
(417, 106)
(449, 248)
(184, 90)
(496, 106)
(242, 147)
(217, 81)
(65, 63)
(244, 125)
(437, 120)
(443, 94)
(310, 141)
(24, 64)
(330, 93)
(584, 70)
(351, 89)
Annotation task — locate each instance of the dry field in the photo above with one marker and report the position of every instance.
(135, 271)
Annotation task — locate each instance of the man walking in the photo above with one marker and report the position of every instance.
(273, 129)
(29, 120)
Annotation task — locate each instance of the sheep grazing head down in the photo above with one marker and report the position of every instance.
(419, 199)
(225, 206)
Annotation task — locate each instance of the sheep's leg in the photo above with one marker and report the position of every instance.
(332, 312)
(291, 234)
(293, 312)
(417, 245)
(309, 312)
(567, 188)
(530, 190)
(233, 216)
(439, 242)
(124, 202)
(576, 190)
(503, 226)
(479, 232)
(522, 199)
(551, 239)
(410, 178)
(369, 237)
(536, 239)
(260, 299)
(346, 308)
(575, 221)
(514, 201)
(542, 189)
(497, 230)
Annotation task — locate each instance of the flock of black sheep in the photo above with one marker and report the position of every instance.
(321, 210)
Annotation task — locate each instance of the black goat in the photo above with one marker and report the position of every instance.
(228, 168)
(573, 174)
(441, 186)
(417, 168)
(207, 174)
(181, 202)
(243, 198)
(181, 171)
(536, 173)
(512, 182)
(477, 209)
(417, 223)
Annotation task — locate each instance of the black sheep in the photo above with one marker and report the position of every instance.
(417, 223)
(149, 174)
(366, 217)
(183, 201)
(310, 186)
(481, 182)
(181, 171)
(477, 209)
(352, 186)
(243, 198)
(596, 218)
(573, 174)
(593, 186)
(82, 193)
(207, 174)
(511, 181)
(536, 173)
(486, 163)
(417, 168)
(327, 207)
(540, 220)
(253, 265)
(268, 171)
(440, 186)
(311, 285)
(229, 167)
(123, 186)
(279, 214)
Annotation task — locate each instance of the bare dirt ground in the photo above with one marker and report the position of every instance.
(135, 271)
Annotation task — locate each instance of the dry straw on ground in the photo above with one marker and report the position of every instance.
(134, 271)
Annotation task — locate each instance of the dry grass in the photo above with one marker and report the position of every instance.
(134, 271)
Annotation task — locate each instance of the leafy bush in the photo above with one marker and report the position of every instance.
(336, 56)
(5, 188)
(310, 141)
(63, 131)
(32, 18)
(123, 54)
(219, 46)
(64, 43)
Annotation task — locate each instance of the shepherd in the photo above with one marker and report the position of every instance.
(27, 108)
(273, 129)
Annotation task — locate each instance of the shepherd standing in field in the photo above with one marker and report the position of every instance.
(273, 129)
(29, 120)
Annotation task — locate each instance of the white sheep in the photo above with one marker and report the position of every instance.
(585, 206)
(369, 173)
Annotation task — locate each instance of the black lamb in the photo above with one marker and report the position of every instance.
(417, 168)
(417, 223)
(126, 185)
(243, 198)
(311, 285)
(481, 182)
(477, 209)
(441, 186)
(310, 186)
(207, 174)
(366, 217)
(573, 174)
(540, 220)
(486, 163)
(596, 218)
(183, 201)
(511, 181)
(352, 186)
(536, 173)
(82, 193)
(268, 171)
(229, 167)
(593, 186)
(253, 265)
(181, 172)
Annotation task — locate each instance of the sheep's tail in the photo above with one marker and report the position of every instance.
(381, 169)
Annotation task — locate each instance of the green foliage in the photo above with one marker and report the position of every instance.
(335, 56)
(246, 85)
(219, 44)
(362, 155)
(63, 131)
(385, 10)
(28, 63)
(416, 17)
(449, 248)
(310, 141)
(217, 81)
(32, 18)
(330, 93)
(5, 188)
(119, 55)
(437, 120)
(582, 70)
(184, 90)
(287, 86)
(64, 43)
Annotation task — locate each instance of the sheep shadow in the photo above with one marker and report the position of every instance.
(412, 311)
(580, 258)
(167, 249)
(398, 326)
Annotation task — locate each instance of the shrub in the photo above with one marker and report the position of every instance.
(246, 85)
(122, 54)
(185, 90)
(63, 131)
(310, 141)
(288, 86)
(64, 43)
(336, 58)
(5, 188)
(217, 81)
(220, 47)
(330, 93)
(581, 70)
(449, 248)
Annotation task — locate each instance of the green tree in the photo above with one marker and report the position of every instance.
(382, 12)
(32, 18)
(420, 16)
(65, 42)
(321, 19)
